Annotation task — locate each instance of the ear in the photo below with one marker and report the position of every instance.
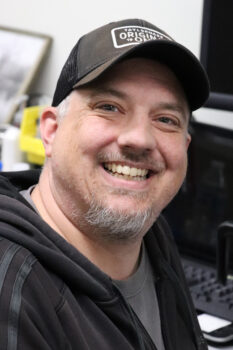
(188, 140)
(48, 128)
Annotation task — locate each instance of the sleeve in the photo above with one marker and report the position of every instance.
(28, 318)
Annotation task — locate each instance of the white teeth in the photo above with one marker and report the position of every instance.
(133, 171)
(118, 169)
(144, 172)
(126, 170)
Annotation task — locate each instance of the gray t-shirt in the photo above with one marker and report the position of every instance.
(139, 291)
(27, 195)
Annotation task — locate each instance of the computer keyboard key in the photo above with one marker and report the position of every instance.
(208, 294)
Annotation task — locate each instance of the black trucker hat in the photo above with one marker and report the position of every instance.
(100, 49)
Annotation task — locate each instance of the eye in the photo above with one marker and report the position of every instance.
(108, 107)
(168, 120)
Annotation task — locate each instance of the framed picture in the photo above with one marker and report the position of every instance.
(21, 55)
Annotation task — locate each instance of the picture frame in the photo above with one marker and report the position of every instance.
(21, 55)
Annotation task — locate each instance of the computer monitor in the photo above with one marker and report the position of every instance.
(206, 197)
(217, 51)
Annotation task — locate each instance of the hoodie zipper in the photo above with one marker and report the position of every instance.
(199, 340)
(144, 331)
(137, 323)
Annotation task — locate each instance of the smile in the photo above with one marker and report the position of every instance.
(126, 172)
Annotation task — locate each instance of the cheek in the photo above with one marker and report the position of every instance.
(64, 148)
(175, 154)
(93, 137)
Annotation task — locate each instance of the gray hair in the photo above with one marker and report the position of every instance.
(63, 107)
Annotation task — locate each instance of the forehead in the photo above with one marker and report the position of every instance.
(130, 72)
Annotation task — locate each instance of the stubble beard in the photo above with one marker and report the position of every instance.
(114, 225)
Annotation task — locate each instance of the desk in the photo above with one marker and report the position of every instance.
(209, 323)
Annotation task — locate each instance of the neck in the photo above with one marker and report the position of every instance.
(118, 260)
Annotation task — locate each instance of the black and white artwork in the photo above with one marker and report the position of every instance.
(21, 54)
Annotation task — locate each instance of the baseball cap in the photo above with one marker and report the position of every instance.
(103, 47)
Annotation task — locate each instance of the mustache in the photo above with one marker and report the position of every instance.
(128, 155)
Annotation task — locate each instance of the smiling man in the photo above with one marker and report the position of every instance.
(88, 262)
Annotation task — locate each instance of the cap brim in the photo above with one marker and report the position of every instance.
(180, 60)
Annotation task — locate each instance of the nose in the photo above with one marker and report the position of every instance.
(137, 135)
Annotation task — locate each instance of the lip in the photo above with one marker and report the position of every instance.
(123, 183)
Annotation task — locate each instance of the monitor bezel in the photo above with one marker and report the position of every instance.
(217, 99)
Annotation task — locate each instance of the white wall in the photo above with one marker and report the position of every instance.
(66, 20)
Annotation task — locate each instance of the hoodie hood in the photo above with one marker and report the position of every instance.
(19, 223)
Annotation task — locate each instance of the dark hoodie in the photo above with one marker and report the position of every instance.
(53, 297)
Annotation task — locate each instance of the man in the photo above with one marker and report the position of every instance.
(87, 262)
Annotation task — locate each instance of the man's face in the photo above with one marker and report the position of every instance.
(122, 145)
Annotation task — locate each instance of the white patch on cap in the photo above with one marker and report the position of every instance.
(131, 35)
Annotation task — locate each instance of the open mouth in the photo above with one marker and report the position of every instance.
(126, 172)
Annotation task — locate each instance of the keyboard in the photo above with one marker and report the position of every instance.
(208, 295)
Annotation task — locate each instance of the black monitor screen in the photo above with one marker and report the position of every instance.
(206, 197)
(217, 51)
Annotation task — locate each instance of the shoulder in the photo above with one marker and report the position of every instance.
(22, 277)
(28, 295)
(15, 262)
(20, 269)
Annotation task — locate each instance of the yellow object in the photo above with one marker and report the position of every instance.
(30, 142)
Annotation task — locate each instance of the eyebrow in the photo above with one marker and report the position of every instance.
(101, 90)
(173, 107)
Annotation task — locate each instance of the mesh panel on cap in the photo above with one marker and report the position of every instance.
(67, 77)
